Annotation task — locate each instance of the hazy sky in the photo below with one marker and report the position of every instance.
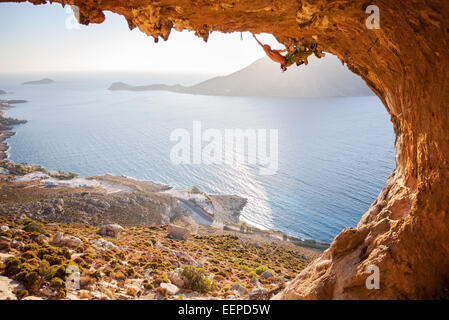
(45, 38)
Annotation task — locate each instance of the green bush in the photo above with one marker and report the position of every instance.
(20, 294)
(59, 285)
(196, 279)
(12, 266)
(34, 226)
(260, 269)
(59, 271)
(45, 271)
(30, 247)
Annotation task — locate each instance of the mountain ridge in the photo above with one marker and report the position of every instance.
(321, 78)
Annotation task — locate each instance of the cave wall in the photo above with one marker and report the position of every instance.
(405, 62)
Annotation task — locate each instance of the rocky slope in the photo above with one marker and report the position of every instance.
(405, 62)
(147, 262)
(159, 253)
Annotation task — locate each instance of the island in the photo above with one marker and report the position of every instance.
(263, 78)
(42, 81)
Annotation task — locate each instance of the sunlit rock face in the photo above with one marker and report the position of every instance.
(405, 233)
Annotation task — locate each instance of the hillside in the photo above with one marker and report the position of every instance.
(321, 78)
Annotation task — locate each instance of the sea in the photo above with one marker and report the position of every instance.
(333, 154)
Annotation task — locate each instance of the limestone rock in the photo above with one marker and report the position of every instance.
(171, 288)
(103, 244)
(111, 230)
(7, 286)
(33, 298)
(178, 232)
(4, 256)
(241, 290)
(17, 244)
(69, 241)
(266, 274)
(258, 293)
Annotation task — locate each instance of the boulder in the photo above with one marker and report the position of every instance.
(43, 239)
(69, 241)
(4, 256)
(258, 293)
(176, 278)
(57, 238)
(266, 274)
(17, 244)
(7, 286)
(171, 288)
(178, 232)
(103, 244)
(111, 230)
(241, 290)
(33, 298)
(255, 281)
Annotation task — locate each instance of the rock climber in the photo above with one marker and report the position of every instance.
(298, 55)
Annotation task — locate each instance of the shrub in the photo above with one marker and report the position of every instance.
(260, 269)
(27, 276)
(221, 273)
(45, 271)
(147, 285)
(120, 276)
(20, 294)
(58, 271)
(34, 226)
(196, 279)
(12, 266)
(131, 291)
(96, 274)
(30, 247)
(159, 279)
(86, 282)
(59, 285)
(130, 271)
(161, 291)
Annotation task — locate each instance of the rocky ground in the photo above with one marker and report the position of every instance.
(129, 239)
(144, 262)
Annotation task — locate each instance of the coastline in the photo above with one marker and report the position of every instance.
(6, 124)
(229, 220)
(4, 147)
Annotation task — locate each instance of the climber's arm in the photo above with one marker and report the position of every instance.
(258, 40)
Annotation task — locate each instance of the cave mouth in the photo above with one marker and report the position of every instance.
(405, 64)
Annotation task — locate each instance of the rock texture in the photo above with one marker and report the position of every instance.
(405, 62)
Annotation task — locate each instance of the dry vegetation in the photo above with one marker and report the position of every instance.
(210, 263)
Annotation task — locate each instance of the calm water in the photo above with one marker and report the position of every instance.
(334, 153)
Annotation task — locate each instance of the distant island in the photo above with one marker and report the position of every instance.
(16, 101)
(3, 92)
(42, 81)
(325, 77)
